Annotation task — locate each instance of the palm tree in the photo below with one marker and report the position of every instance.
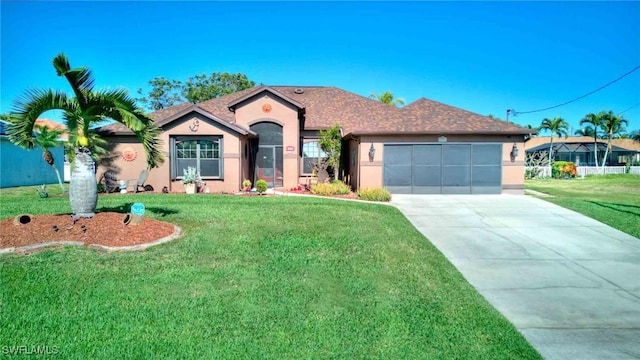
(387, 98)
(595, 121)
(80, 112)
(611, 125)
(557, 126)
(586, 131)
(635, 135)
(46, 139)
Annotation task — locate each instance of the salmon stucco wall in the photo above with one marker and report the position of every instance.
(230, 182)
(513, 169)
(267, 108)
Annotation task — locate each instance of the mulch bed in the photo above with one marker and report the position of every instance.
(105, 228)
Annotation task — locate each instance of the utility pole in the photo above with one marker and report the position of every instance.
(508, 111)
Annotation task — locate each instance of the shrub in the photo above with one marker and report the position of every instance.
(246, 185)
(333, 188)
(561, 169)
(261, 186)
(374, 194)
(100, 187)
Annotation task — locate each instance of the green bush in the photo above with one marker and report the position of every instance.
(374, 194)
(261, 186)
(562, 169)
(333, 188)
(101, 188)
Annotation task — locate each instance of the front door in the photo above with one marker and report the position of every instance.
(269, 167)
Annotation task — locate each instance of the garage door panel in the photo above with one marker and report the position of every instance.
(427, 175)
(487, 154)
(486, 176)
(397, 176)
(427, 155)
(456, 176)
(397, 155)
(456, 155)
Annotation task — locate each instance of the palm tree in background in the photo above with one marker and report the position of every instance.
(557, 126)
(635, 135)
(87, 107)
(46, 139)
(586, 131)
(593, 121)
(612, 125)
(387, 98)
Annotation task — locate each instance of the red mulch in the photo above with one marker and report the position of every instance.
(105, 228)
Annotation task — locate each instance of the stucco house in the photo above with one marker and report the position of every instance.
(581, 150)
(271, 133)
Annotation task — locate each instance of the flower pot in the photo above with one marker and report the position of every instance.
(190, 188)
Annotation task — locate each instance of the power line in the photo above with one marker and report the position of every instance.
(627, 109)
(513, 112)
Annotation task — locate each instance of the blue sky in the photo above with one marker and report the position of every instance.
(485, 57)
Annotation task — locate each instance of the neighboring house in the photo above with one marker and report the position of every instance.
(271, 133)
(580, 150)
(20, 167)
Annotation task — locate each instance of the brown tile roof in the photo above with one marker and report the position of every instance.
(326, 106)
(53, 125)
(628, 144)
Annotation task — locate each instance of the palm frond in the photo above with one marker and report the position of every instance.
(80, 79)
(150, 138)
(28, 107)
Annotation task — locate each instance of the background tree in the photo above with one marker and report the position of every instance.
(198, 88)
(586, 131)
(387, 98)
(163, 93)
(80, 112)
(202, 87)
(611, 125)
(635, 135)
(593, 121)
(557, 126)
(331, 143)
(46, 139)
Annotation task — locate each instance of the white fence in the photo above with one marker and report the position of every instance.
(545, 171)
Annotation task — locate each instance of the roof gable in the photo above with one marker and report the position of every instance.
(259, 90)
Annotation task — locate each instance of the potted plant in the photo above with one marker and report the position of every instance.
(246, 185)
(42, 191)
(191, 179)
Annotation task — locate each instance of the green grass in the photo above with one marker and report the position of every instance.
(611, 199)
(254, 277)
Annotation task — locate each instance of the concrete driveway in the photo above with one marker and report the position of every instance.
(570, 284)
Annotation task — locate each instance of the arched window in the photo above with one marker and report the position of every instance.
(268, 133)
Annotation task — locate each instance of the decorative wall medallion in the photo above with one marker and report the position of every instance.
(195, 125)
(266, 108)
(128, 154)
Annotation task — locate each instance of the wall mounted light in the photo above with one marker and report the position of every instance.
(372, 152)
(514, 152)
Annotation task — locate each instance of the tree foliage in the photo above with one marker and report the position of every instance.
(387, 98)
(46, 139)
(331, 143)
(593, 121)
(165, 93)
(556, 126)
(611, 125)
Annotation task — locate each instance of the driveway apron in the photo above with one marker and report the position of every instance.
(570, 284)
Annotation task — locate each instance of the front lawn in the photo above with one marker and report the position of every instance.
(254, 277)
(611, 199)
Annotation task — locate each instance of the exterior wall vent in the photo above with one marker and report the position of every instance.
(298, 91)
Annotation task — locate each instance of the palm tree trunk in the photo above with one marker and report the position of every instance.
(59, 178)
(550, 150)
(606, 153)
(83, 189)
(595, 147)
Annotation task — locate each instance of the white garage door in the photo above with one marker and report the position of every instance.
(443, 168)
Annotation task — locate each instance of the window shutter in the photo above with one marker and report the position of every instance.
(172, 156)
